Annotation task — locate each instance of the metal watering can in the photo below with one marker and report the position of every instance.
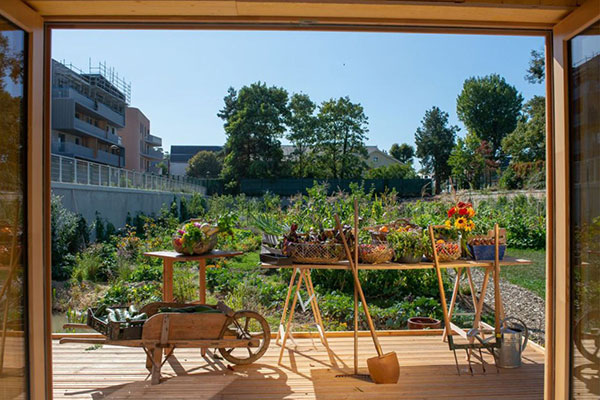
(514, 341)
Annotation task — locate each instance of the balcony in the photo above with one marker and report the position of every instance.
(308, 371)
(153, 140)
(94, 108)
(69, 149)
(153, 154)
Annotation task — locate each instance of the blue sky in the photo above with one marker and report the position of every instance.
(179, 78)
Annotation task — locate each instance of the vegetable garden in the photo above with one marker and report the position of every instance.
(113, 270)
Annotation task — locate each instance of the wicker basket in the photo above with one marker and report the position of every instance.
(199, 248)
(315, 253)
(375, 254)
(446, 251)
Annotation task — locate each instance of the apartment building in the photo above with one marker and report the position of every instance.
(87, 110)
(143, 152)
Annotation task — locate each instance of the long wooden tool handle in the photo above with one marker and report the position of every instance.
(355, 291)
(359, 287)
(497, 305)
(438, 271)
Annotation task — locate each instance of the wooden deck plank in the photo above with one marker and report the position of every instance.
(307, 372)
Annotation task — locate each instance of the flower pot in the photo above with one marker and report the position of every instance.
(487, 252)
(424, 323)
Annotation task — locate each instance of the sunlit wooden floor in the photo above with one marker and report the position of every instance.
(307, 372)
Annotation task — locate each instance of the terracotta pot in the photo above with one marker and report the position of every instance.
(424, 323)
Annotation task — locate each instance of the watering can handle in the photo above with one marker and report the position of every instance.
(523, 325)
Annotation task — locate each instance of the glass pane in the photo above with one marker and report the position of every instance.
(13, 339)
(584, 103)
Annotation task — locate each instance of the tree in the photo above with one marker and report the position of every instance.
(403, 153)
(342, 134)
(468, 161)
(489, 107)
(393, 171)
(254, 122)
(527, 142)
(435, 140)
(302, 133)
(205, 164)
(536, 72)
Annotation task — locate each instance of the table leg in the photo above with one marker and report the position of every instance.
(202, 289)
(453, 299)
(202, 281)
(315, 307)
(355, 331)
(291, 317)
(285, 306)
(167, 280)
(479, 304)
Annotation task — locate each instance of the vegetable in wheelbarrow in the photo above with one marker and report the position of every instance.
(191, 309)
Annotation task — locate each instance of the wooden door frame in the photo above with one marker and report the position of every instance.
(37, 189)
(580, 19)
(556, 373)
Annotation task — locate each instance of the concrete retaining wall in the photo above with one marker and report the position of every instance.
(112, 203)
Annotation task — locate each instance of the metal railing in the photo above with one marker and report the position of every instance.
(72, 170)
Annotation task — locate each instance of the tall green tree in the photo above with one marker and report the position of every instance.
(302, 133)
(489, 107)
(527, 142)
(403, 153)
(467, 161)
(254, 122)
(204, 164)
(536, 72)
(435, 140)
(341, 142)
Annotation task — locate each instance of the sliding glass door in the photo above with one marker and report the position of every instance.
(13, 200)
(584, 166)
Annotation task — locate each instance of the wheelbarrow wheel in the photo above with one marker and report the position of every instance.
(247, 325)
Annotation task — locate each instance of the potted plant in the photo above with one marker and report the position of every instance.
(407, 245)
(460, 218)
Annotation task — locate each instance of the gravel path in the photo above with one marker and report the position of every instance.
(518, 302)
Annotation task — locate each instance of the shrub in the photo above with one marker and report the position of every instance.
(97, 263)
(70, 234)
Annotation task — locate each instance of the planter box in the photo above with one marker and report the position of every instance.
(487, 252)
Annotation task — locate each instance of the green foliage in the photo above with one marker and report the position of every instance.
(104, 229)
(489, 107)
(468, 161)
(145, 272)
(407, 243)
(70, 235)
(527, 143)
(303, 134)
(536, 72)
(342, 134)
(97, 263)
(254, 121)
(393, 171)
(204, 164)
(524, 175)
(403, 153)
(435, 140)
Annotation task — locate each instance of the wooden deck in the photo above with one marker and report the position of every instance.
(427, 371)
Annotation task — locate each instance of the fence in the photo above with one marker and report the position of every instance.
(72, 170)
(290, 187)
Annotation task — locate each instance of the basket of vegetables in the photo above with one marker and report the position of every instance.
(408, 245)
(380, 233)
(375, 253)
(447, 250)
(484, 248)
(117, 323)
(314, 247)
(196, 237)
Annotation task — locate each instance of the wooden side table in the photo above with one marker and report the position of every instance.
(171, 257)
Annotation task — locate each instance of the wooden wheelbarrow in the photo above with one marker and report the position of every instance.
(241, 337)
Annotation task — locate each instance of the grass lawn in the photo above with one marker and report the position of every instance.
(531, 277)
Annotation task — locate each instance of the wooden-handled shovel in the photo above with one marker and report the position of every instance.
(385, 367)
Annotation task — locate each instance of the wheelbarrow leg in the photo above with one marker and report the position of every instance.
(156, 364)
